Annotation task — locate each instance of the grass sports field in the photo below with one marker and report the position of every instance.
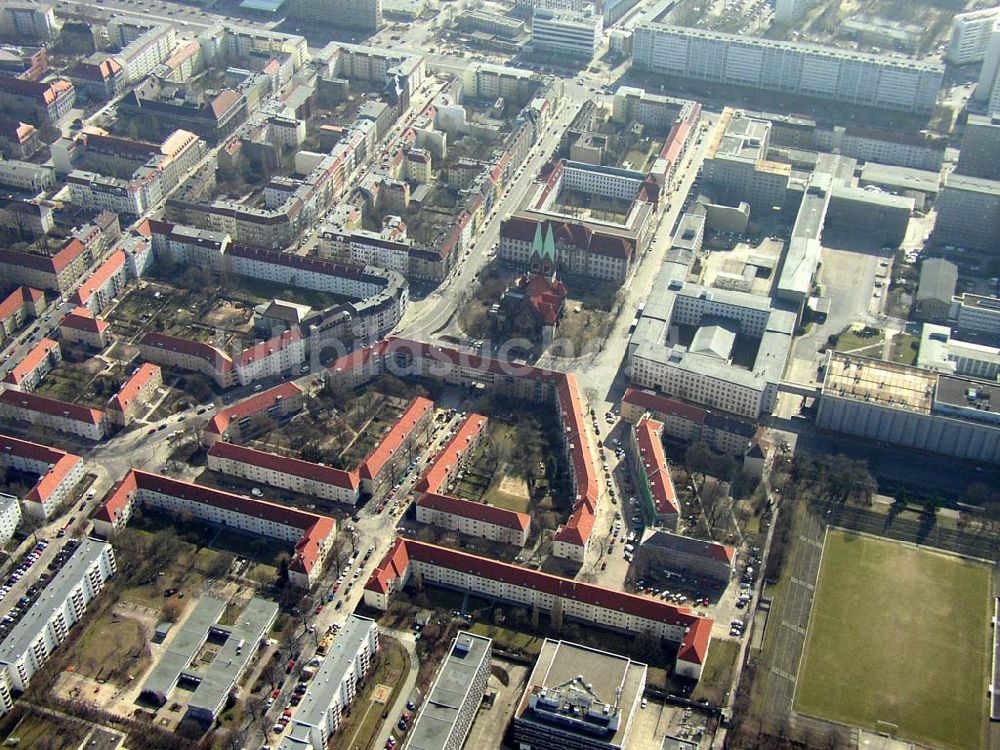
(899, 635)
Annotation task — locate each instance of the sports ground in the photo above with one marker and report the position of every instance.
(899, 636)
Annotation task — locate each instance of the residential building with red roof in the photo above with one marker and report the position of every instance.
(35, 365)
(81, 326)
(58, 473)
(311, 534)
(56, 272)
(512, 584)
(135, 395)
(97, 79)
(17, 308)
(408, 358)
(662, 550)
(370, 477)
(107, 281)
(18, 140)
(39, 103)
(58, 415)
(722, 432)
(474, 519)
(396, 449)
(185, 354)
(439, 507)
(658, 498)
(287, 473)
(231, 422)
(283, 352)
(445, 464)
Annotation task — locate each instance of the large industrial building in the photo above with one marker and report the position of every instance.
(968, 213)
(828, 73)
(580, 698)
(911, 407)
(702, 370)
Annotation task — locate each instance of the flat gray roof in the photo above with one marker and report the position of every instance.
(974, 395)
(598, 677)
(230, 661)
(215, 680)
(972, 184)
(328, 680)
(902, 178)
(434, 724)
(183, 646)
(53, 597)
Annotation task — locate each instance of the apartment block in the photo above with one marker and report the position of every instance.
(828, 73)
(658, 498)
(136, 395)
(446, 716)
(26, 176)
(335, 686)
(58, 474)
(352, 14)
(91, 424)
(968, 213)
(311, 534)
(81, 326)
(980, 154)
(17, 308)
(970, 35)
(722, 432)
(29, 20)
(233, 422)
(38, 103)
(10, 516)
(569, 33)
(35, 365)
(60, 606)
(515, 585)
(292, 474)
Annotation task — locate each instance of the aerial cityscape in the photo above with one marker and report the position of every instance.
(499, 374)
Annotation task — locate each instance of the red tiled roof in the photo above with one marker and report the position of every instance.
(693, 646)
(82, 319)
(293, 466)
(114, 264)
(663, 406)
(17, 299)
(654, 460)
(372, 465)
(51, 406)
(315, 527)
(256, 403)
(70, 252)
(60, 464)
(452, 452)
(269, 347)
(508, 519)
(192, 348)
(393, 566)
(130, 391)
(30, 362)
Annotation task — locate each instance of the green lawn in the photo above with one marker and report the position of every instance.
(899, 635)
(904, 348)
(851, 340)
(718, 673)
(506, 500)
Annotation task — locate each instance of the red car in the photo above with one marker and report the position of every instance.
(290, 666)
(276, 693)
(319, 609)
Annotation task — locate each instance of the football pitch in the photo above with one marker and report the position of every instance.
(899, 636)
